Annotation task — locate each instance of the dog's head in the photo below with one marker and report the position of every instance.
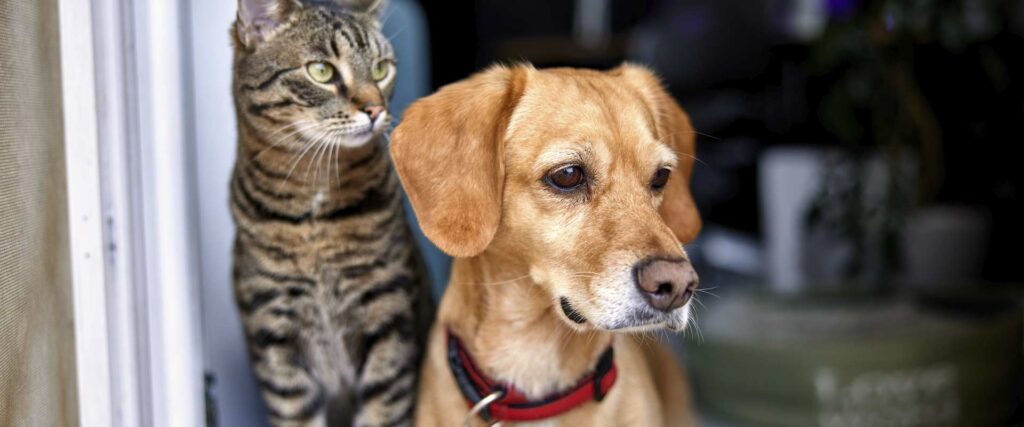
(582, 176)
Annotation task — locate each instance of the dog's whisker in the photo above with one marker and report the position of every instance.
(696, 327)
(501, 282)
(707, 135)
(694, 158)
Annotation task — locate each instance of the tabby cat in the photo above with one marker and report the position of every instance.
(326, 276)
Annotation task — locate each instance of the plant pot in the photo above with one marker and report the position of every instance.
(858, 361)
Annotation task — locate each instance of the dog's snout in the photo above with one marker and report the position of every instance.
(666, 284)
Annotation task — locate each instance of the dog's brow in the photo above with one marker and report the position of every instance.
(666, 155)
(575, 153)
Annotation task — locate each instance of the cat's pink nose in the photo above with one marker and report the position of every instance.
(373, 111)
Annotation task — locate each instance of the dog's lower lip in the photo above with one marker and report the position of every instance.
(570, 312)
(640, 319)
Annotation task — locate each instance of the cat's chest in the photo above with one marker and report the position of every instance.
(317, 201)
(320, 232)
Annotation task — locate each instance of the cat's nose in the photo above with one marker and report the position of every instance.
(373, 111)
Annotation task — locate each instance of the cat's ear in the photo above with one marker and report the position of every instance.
(371, 8)
(257, 19)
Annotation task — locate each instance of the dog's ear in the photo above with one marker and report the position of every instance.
(448, 153)
(674, 128)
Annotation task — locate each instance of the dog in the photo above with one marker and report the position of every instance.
(563, 195)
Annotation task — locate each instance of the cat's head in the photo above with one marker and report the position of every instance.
(313, 70)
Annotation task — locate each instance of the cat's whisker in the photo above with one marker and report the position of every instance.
(289, 126)
(283, 128)
(316, 149)
(388, 15)
(330, 142)
(395, 34)
(337, 164)
(317, 160)
(296, 161)
(333, 161)
(331, 164)
(323, 143)
(328, 156)
(305, 125)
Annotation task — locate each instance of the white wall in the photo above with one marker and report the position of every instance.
(234, 391)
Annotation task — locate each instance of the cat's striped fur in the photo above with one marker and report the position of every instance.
(326, 275)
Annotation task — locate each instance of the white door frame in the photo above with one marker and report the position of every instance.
(132, 212)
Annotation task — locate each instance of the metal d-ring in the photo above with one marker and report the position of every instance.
(481, 406)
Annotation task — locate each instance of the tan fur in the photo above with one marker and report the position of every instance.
(473, 157)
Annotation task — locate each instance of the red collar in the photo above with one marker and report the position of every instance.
(513, 404)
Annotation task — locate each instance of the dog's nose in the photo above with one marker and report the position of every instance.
(666, 284)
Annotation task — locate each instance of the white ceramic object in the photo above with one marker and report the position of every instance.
(789, 178)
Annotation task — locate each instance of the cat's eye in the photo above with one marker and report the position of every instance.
(320, 72)
(380, 70)
(660, 179)
(567, 178)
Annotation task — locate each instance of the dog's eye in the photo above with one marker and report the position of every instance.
(660, 179)
(567, 178)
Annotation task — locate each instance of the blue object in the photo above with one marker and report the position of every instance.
(406, 26)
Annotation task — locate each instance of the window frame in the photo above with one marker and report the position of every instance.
(132, 216)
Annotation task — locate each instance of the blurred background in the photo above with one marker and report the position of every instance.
(858, 177)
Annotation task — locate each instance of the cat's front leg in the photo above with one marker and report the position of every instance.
(293, 395)
(387, 380)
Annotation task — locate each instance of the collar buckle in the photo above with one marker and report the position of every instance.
(481, 409)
